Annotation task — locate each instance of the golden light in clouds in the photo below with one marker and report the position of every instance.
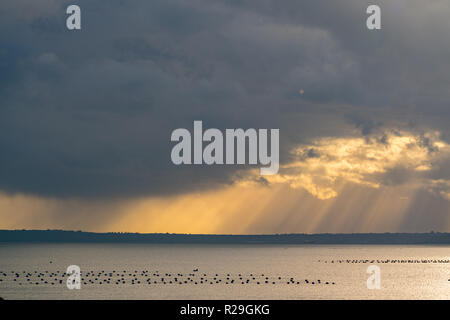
(332, 185)
(361, 160)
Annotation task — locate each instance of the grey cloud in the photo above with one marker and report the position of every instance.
(89, 113)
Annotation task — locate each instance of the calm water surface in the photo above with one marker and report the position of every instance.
(291, 272)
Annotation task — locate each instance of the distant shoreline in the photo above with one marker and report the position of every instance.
(61, 236)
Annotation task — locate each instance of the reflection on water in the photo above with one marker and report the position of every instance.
(141, 271)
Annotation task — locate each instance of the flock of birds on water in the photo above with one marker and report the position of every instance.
(147, 277)
(387, 261)
(384, 261)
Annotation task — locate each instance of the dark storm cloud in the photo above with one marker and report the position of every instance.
(90, 112)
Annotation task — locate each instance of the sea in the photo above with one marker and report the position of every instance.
(206, 271)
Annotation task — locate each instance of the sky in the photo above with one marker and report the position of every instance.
(86, 116)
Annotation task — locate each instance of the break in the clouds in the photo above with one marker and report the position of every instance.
(383, 159)
(88, 114)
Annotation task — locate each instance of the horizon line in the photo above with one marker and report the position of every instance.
(223, 234)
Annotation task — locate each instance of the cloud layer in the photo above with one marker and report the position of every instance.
(390, 158)
(86, 116)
